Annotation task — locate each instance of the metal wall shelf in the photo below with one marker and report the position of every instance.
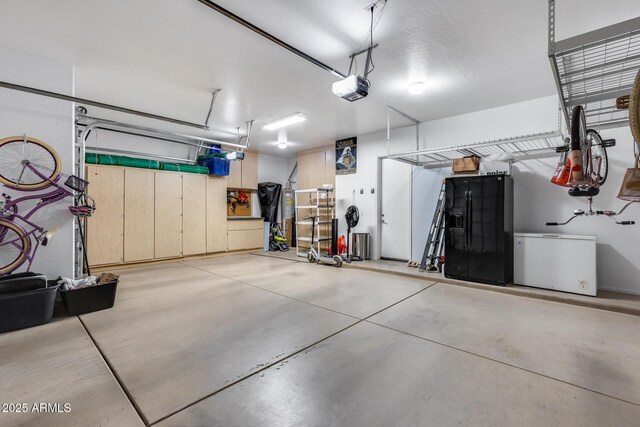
(594, 68)
(534, 146)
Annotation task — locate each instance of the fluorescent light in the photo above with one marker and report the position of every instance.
(287, 121)
(282, 145)
(417, 88)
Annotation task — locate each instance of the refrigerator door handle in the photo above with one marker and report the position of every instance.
(465, 223)
(470, 218)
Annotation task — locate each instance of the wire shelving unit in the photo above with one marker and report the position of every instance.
(533, 146)
(318, 202)
(595, 68)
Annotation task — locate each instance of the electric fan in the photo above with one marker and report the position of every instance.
(352, 217)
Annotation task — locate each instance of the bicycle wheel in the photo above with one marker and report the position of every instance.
(14, 246)
(578, 128)
(634, 110)
(15, 151)
(597, 166)
(579, 146)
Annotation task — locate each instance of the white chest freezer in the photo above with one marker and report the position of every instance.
(556, 261)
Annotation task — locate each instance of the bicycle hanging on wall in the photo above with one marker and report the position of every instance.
(584, 165)
(29, 165)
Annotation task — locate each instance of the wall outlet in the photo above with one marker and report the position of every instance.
(583, 284)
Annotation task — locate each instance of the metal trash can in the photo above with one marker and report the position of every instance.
(361, 245)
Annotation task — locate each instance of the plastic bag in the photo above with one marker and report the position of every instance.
(630, 188)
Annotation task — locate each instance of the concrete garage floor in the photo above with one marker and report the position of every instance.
(251, 340)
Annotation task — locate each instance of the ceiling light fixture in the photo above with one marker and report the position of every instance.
(282, 139)
(417, 88)
(287, 121)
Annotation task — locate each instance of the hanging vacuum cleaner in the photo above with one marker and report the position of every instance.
(352, 217)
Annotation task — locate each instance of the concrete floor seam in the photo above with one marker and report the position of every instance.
(288, 356)
(307, 302)
(115, 375)
(501, 362)
(264, 368)
(273, 292)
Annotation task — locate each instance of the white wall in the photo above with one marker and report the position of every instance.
(539, 115)
(52, 122)
(273, 169)
(425, 189)
(537, 200)
(370, 147)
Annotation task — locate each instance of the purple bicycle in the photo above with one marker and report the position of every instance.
(28, 164)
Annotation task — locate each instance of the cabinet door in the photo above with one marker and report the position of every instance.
(330, 167)
(238, 240)
(139, 219)
(303, 172)
(105, 227)
(194, 214)
(234, 180)
(317, 169)
(250, 170)
(216, 214)
(255, 239)
(168, 215)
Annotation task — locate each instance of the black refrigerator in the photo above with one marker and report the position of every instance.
(479, 229)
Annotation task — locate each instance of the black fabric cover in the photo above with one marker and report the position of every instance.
(269, 196)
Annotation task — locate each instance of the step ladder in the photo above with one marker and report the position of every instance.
(431, 258)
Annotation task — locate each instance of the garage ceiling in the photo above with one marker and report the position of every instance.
(165, 56)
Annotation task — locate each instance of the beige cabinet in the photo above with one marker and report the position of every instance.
(139, 197)
(216, 214)
(250, 170)
(244, 174)
(330, 166)
(168, 214)
(105, 227)
(144, 215)
(245, 234)
(234, 180)
(315, 168)
(194, 214)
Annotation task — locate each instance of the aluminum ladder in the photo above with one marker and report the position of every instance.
(431, 260)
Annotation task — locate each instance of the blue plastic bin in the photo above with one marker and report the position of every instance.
(215, 149)
(217, 166)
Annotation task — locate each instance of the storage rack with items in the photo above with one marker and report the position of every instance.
(593, 69)
(318, 202)
(533, 146)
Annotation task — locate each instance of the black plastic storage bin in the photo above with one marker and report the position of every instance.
(22, 282)
(89, 299)
(25, 301)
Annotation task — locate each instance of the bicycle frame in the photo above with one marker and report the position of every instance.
(10, 212)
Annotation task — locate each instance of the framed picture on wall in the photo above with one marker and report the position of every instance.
(346, 156)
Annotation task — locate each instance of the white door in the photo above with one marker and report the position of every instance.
(396, 210)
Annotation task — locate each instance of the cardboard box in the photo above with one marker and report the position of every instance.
(469, 164)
